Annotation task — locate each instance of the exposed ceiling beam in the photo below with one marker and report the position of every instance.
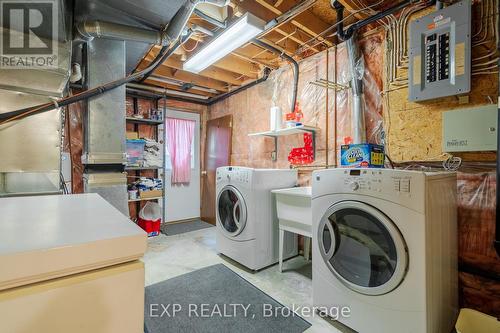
(175, 87)
(306, 21)
(238, 65)
(284, 29)
(264, 62)
(351, 8)
(187, 77)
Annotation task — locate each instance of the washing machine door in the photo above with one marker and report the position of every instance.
(231, 211)
(362, 247)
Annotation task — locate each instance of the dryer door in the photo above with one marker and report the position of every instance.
(362, 247)
(231, 211)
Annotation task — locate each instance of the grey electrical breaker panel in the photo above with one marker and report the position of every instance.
(440, 53)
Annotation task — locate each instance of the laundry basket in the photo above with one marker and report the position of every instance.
(472, 321)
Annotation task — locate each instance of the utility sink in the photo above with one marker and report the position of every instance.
(293, 206)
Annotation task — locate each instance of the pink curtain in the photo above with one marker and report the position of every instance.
(180, 133)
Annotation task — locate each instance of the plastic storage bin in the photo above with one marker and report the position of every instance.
(472, 321)
(150, 218)
(135, 152)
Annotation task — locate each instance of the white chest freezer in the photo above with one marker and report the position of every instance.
(69, 263)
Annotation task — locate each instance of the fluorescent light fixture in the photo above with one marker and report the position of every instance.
(243, 30)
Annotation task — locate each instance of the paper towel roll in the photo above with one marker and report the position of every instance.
(275, 119)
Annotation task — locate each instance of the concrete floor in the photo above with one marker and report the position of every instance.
(170, 256)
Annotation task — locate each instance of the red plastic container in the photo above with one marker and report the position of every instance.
(151, 227)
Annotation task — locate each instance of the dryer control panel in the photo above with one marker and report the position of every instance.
(374, 181)
(404, 187)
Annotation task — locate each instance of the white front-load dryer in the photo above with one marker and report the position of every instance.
(247, 225)
(385, 246)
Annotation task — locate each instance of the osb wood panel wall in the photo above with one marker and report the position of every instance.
(412, 132)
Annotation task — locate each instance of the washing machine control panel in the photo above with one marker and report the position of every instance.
(369, 180)
(233, 175)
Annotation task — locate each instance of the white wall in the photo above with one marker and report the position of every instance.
(183, 202)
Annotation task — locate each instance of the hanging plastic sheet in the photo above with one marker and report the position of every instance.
(476, 232)
(369, 68)
(476, 196)
(74, 144)
(251, 114)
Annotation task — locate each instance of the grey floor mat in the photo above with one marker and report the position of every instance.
(211, 289)
(183, 227)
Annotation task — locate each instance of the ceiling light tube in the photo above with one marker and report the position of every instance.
(242, 31)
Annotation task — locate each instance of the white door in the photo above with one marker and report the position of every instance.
(182, 202)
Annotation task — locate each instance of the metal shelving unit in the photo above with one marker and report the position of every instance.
(160, 171)
(142, 168)
(145, 199)
(144, 121)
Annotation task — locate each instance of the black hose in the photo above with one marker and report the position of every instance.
(173, 33)
(289, 59)
(345, 35)
(219, 98)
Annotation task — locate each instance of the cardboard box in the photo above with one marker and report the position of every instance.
(132, 135)
(151, 194)
(365, 155)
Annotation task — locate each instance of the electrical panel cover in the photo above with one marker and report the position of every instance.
(470, 130)
(440, 53)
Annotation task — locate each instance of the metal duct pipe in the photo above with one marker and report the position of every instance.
(179, 21)
(101, 29)
(358, 100)
(211, 20)
(173, 30)
(291, 60)
(358, 115)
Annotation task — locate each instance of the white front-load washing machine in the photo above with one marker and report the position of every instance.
(247, 226)
(385, 245)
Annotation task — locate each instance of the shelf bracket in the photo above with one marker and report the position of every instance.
(274, 153)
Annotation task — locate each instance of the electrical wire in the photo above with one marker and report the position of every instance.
(453, 163)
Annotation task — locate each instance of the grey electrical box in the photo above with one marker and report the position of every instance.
(440, 53)
(470, 129)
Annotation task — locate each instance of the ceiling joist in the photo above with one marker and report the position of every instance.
(291, 25)
(187, 77)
